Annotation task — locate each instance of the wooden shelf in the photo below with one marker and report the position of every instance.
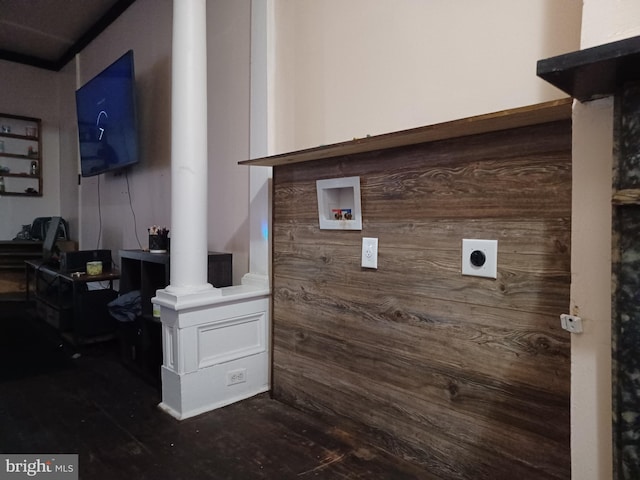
(21, 157)
(18, 175)
(31, 138)
(20, 194)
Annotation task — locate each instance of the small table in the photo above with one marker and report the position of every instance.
(70, 303)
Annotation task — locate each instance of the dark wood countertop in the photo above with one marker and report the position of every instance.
(594, 72)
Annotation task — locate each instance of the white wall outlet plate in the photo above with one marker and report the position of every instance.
(480, 258)
(236, 376)
(369, 252)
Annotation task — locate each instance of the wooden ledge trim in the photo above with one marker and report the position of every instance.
(492, 122)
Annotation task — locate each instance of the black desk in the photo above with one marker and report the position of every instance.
(67, 303)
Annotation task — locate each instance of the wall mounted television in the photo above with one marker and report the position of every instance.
(107, 121)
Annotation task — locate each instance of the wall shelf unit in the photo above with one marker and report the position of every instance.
(20, 156)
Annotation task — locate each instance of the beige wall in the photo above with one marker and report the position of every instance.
(229, 51)
(349, 69)
(591, 432)
(146, 28)
(602, 22)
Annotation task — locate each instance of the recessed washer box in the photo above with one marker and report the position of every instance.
(339, 203)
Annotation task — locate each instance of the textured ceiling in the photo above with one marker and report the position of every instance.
(48, 33)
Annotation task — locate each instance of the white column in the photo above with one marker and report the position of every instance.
(216, 342)
(189, 148)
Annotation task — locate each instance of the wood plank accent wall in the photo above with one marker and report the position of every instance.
(466, 376)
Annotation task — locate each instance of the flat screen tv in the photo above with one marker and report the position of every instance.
(107, 122)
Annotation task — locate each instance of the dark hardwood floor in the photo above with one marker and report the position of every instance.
(51, 402)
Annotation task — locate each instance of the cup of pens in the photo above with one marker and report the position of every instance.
(158, 239)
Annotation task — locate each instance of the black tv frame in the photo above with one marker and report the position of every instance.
(108, 130)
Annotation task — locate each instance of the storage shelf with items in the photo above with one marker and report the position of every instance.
(20, 156)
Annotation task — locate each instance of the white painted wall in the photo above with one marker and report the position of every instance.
(32, 92)
(591, 442)
(349, 69)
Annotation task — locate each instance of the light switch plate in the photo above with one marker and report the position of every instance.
(476, 251)
(369, 252)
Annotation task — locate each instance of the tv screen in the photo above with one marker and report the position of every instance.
(107, 124)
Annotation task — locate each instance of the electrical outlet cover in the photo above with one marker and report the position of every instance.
(480, 258)
(369, 252)
(236, 376)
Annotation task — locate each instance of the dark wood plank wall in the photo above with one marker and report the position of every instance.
(466, 376)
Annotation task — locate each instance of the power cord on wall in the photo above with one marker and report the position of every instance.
(99, 224)
(99, 216)
(135, 223)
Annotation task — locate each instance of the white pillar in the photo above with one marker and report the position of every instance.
(216, 341)
(189, 148)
